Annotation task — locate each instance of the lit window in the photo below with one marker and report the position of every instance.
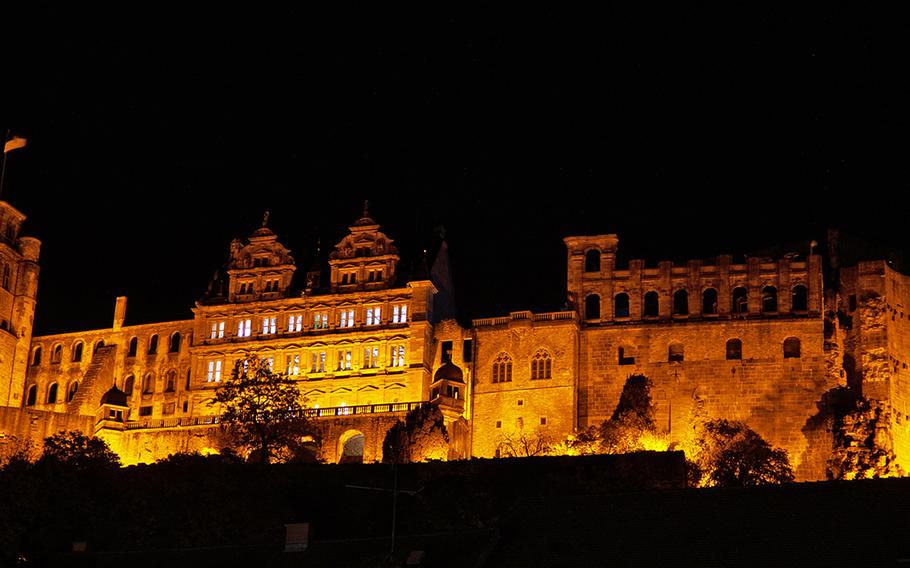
(400, 314)
(214, 374)
(347, 318)
(370, 357)
(268, 326)
(295, 323)
(344, 360)
(318, 362)
(244, 327)
(269, 362)
(321, 321)
(397, 359)
(293, 365)
(373, 316)
(217, 330)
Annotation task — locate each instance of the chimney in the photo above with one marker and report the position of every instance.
(119, 312)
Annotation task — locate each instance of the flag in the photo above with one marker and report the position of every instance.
(13, 143)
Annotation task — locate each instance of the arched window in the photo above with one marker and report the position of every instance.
(621, 305)
(740, 301)
(541, 365)
(592, 307)
(680, 303)
(709, 301)
(175, 342)
(71, 392)
(134, 346)
(36, 357)
(626, 356)
(128, 385)
(734, 350)
(170, 381)
(52, 394)
(592, 261)
(769, 300)
(675, 352)
(800, 302)
(98, 346)
(147, 384)
(32, 395)
(502, 369)
(153, 344)
(791, 348)
(57, 353)
(652, 304)
(77, 351)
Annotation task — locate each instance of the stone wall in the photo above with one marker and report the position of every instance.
(18, 426)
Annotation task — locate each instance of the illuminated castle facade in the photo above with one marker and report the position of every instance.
(758, 341)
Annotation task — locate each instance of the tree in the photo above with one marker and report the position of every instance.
(522, 444)
(77, 451)
(421, 437)
(262, 412)
(632, 422)
(730, 454)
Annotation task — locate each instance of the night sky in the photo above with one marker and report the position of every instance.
(157, 135)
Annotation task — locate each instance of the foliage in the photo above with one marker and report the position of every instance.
(522, 444)
(583, 443)
(421, 437)
(79, 452)
(632, 422)
(730, 454)
(262, 412)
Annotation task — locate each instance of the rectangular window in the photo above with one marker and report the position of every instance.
(373, 316)
(400, 314)
(543, 420)
(467, 351)
(397, 359)
(370, 357)
(446, 355)
(293, 365)
(321, 321)
(145, 411)
(344, 360)
(295, 323)
(347, 318)
(217, 330)
(244, 328)
(318, 362)
(268, 326)
(214, 374)
(168, 408)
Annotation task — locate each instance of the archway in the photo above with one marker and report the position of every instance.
(350, 447)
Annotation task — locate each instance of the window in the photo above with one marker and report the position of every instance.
(295, 323)
(321, 321)
(293, 368)
(145, 411)
(170, 381)
(57, 354)
(373, 316)
(621, 305)
(791, 348)
(347, 318)
(680, 303)
(709, 301)
(445, 355)
(543, 420)
(153, 344)
(168, 408)
(52, 394)
(186, 383)
(344, 360)
(318, 362)
(175, 343)
(675, 352)
(268, 326)
(592, 261)
(128, 385)
(214, 374)
(36, 357)
(734, 350)
(852, 302)
(244, 328)
(400, 314)
(626, 356)
(370, 357)
(71, 392)
(652, 304)
(800, 302)
(6, 273)
(77, 351)
(467, 351)
(397, 359)
(499, 424)
(349, 278)
(592, 307)
(740, 301)
(98, 346)
(217, 330)
(32, 395)
(502, 369)
(148, 384)
(134, 346)
(769, 300)
(269, 362)
(541, 365)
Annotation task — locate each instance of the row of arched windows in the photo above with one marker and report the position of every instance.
(541, 367)
(147, 386)
(132, 349)
(799, 302)
(31, 397)
(734, 351)
(173, 345)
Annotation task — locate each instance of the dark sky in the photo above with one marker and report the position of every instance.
(156, 135)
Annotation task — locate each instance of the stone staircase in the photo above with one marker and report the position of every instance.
(97, 380)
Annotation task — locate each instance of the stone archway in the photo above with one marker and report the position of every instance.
(350, 447)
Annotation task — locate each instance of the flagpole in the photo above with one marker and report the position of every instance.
(3, 168)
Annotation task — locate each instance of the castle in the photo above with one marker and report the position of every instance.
(760, 341)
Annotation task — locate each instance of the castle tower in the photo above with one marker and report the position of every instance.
(259, 269)
(18, 289)
(591, 261)
(363, 260)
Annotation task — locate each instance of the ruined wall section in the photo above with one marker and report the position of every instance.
(19, 426)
